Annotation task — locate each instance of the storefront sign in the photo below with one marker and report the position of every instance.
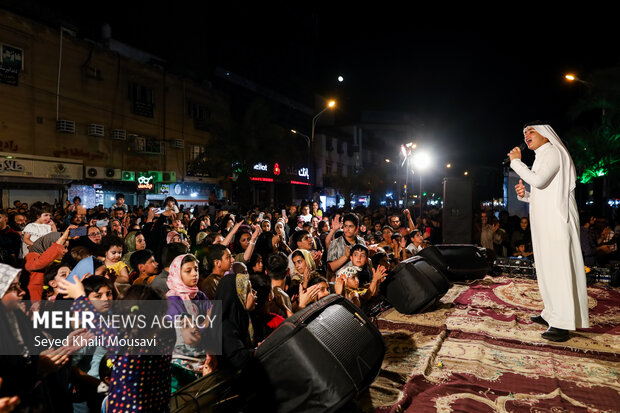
(12, 165)
(17, 166)
(260, 167)
(145, 182)
(304, 173)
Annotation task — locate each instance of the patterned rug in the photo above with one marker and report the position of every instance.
(479, 352)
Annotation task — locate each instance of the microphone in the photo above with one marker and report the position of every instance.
(522, 146)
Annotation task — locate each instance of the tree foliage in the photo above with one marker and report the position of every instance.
(594, 139)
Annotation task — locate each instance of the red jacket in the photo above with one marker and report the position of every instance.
(36, 264)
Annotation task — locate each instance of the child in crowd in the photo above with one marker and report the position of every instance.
(220, 260)
(42, 224)
(323, 287)
(112, 245)
(255, 264)
(145, 267)
(348, 277)
(301, 268)
(184, 298)
(142, 380)
(53, 273)
(347, 284)
(134, 241)
(101, 292)
(44, 251)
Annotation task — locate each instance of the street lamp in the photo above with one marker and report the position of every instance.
(305, 136)
(572, 78)
(330, 104)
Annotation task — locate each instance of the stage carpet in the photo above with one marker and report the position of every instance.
(478, 351)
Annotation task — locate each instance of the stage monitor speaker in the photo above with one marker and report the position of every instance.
(459, 262)
(414, 286)
(457, 213)
(321, 357)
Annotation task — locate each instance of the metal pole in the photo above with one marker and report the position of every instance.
(421, 200)
(406, 180)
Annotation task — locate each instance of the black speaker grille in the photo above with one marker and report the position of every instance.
(348, 339)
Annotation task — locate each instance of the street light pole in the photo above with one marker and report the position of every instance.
(330, 105)
(309, 154)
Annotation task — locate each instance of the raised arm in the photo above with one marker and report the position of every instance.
(550, 166)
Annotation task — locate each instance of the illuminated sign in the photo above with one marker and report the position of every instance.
(261, 179)
(304, 173)
(145, 182)
(260, 167)
(276, 169)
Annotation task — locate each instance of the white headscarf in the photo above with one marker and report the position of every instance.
(567, 173)
(7, 276)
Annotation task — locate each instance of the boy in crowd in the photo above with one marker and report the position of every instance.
(220, 260)
(340, 248)
(143, 262)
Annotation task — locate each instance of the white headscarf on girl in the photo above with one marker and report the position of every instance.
(567, 173)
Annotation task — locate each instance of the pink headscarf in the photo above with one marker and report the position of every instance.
(175, 283)
(170, 235)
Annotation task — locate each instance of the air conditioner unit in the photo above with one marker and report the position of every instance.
(119, 134)
(128, 176)
(113, 174)
(168, 176)
(96, 130)
(65, 126)
(157, 175)
(139, 144)
(178, 143)
(94, 172)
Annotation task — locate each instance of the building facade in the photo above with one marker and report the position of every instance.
(113, 110)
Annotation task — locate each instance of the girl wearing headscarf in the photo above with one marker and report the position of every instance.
(186, 300)
(134, 241)
(45, 250)
(116, 227)
(183, 294)
(301, 266)
(238, 299)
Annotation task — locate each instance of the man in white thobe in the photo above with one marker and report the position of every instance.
(555, 231)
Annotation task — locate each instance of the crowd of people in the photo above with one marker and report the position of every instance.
(504, 235)
(264, 265)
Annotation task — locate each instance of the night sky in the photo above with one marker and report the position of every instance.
(471, 75)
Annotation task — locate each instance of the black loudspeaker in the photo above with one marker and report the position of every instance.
(414, 286)
(459, 262)
(219, 392)
(457, 213)
(321, 357)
